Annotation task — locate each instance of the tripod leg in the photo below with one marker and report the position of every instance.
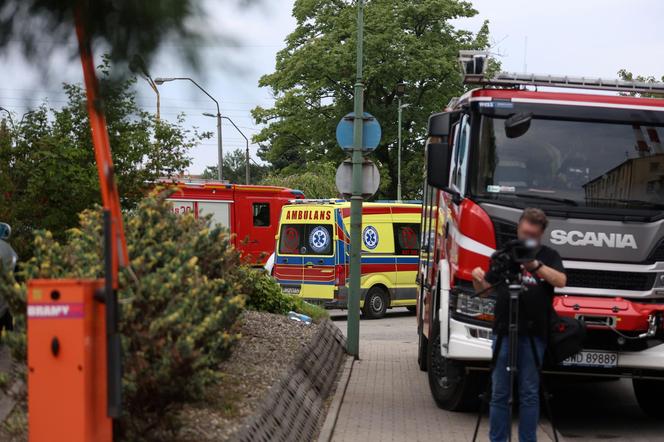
(486, 396)
(545, 392)
(512, 353)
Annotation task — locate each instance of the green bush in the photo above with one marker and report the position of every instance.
(264, 294)
(179, 313)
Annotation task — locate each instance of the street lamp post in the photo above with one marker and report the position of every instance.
(247, 176)
(401, 89)
(9, 115)
(20, 123)
(138, 66)
(153, 85)
(220, 149)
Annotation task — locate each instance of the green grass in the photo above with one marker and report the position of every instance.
(313, 311)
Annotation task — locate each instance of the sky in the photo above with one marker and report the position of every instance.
(585, 38)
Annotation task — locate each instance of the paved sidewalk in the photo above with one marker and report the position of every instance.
(388, 399)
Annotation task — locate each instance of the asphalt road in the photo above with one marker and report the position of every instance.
(583, 410)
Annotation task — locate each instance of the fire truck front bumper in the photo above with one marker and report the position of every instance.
(472, 342)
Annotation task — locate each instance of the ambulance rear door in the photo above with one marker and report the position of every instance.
(319, 234)
(288, 260)
(406, 227)
(378, 259)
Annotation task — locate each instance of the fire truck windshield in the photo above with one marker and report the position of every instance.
(575, 163)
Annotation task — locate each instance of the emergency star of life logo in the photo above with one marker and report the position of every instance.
(319, 239)
(370, 237)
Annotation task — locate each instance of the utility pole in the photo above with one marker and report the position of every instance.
(353, 332)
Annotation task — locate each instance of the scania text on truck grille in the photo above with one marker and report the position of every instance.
(595, 164)
(597, 239)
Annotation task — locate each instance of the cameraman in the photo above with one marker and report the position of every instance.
(540, 276)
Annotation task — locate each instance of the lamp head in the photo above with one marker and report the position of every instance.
(160, 80)
(401, 88)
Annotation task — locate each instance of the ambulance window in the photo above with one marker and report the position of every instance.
(291, 239)
(407, 238)
(261, 214)
(306, 239)
(319, 239)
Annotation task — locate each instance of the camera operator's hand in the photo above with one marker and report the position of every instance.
(533, 265)
(479, 283)
(552, 276)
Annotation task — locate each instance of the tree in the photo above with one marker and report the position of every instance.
(124, 27)
(626, 75)
(47, 166)
(405, 40)
(235, 169)
(317, 183)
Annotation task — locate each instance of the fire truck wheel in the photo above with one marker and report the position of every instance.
(375, 303)
(649, 395)
(451, 386)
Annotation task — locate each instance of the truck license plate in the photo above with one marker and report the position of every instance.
(604, 359)
(291, 289)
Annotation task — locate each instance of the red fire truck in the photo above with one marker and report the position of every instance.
(250, 212)
(594, 162)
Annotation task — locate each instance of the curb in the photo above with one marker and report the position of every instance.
(294, 406)
(7, 401)
(333, 414)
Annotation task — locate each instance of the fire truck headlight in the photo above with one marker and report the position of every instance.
(476, 307)
(659, 280)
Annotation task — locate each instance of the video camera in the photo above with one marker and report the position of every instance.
(506, 263)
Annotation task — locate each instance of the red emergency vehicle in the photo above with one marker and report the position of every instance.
(595, 164)
(250, 212)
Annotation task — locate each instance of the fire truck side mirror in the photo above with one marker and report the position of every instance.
(440, 124)
(518, 124)
(438, 165)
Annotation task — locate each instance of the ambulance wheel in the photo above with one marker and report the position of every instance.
(649, 393)
(452, 388)
(412, 309)
(375, 303)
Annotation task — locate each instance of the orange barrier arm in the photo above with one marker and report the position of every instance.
(109, 191)
(115, 247)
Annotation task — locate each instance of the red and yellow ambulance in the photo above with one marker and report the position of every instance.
(312, 254)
